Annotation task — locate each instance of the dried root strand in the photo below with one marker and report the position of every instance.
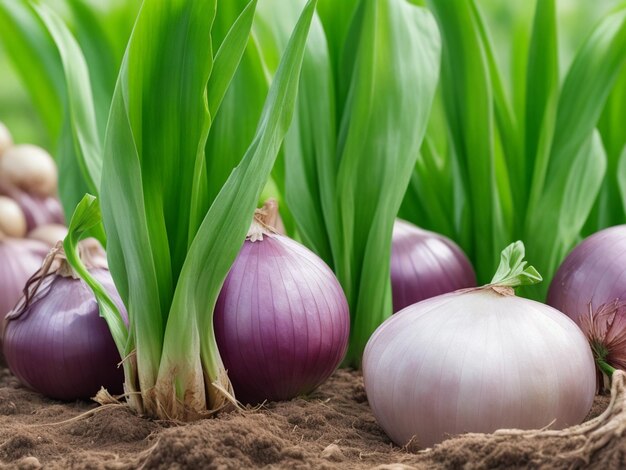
(597, 432)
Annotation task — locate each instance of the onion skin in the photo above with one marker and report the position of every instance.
(40, 210)
(60, 346)
(281, 321)
(476, 361)
(12, 220)
(19, 260)
(49, 234)
(593, 273)
(425, 264)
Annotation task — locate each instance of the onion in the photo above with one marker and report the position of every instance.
(49, 234)
(594, 273)
(425, 264)
(478, 360)
(12, 220)
(19, 260)
(37, 210)
(6, 140)
(590, 287)
(281, 319)
(55, 341)
(31, 169)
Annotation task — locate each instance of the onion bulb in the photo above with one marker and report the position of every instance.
(425, 264)
(55, 341)
(49, 234)
(31, 169)
(477, 360)
(590, 287)
(6, 141)
(281, 319)
(12, 220)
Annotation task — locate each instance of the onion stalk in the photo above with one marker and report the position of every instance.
(477, 360)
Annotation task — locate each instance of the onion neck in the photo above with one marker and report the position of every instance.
(513, 271)
(265, 221)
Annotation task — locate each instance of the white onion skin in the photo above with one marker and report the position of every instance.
(425, 264)
(12, 220)
(476, 362)
(281, 321)
(593, 273)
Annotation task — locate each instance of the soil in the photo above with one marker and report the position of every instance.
(332, 428)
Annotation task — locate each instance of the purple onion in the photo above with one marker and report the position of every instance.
(281, 321)
(592, 275)
(57, 343)
(425, 264)
(19, 260)
(40, 210)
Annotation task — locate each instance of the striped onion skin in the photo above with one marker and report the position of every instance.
(59, 345)
(281, 321)
(19, 260)
(593, 274)
(425, 264)
(477, 361)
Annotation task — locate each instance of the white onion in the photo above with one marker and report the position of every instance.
(476, 361)
(6, 140)
(12, 219)
(31, 169)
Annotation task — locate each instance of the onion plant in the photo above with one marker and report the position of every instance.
(369, 77)
(171, 233)
(493, 169)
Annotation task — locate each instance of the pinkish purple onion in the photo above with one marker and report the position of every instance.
(425, 264)
(56, 343)
(40, 210)
(281, 320)
(592, 275)
(19, 260)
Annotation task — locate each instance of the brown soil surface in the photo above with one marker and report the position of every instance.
(332, 428)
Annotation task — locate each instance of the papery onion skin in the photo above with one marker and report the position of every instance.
(476, 361)
(593, 273)
(425, 264)
(281, 321)
(60, 346)
(19, 260)
(40, 210)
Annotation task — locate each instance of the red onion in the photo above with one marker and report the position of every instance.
(55, 341)
(594, 273)
(281, 320)
(425, 264)
(478, 360)
(19, 260)
(38, 210)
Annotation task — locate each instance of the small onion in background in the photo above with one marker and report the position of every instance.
(425, 264)
(38, 210)
(6, 141)
(281, 319)
(49, 234)
(12, 220)
(55, 341)
(478, 360)
(31, 169)
(19, 260)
